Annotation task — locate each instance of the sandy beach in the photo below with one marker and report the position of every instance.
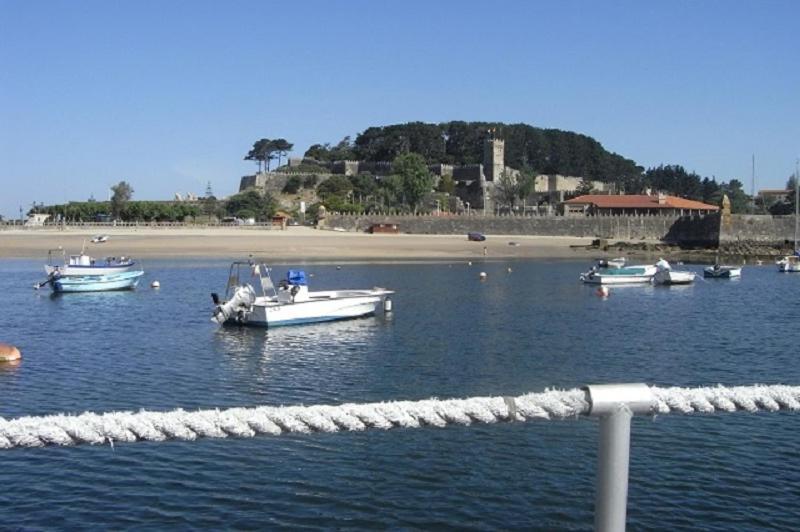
(295, 243)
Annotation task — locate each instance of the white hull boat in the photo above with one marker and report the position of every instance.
(291, 303)
(625, 275)
(669, 277)
(96, 283)
(789, 264)
(82, 264)
(722, 272)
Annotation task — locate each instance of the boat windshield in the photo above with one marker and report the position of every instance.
(252, 273)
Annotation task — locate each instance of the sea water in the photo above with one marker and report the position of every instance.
(450, 335)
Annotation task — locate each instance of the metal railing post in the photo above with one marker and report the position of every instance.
(615, 405)
(613, 455)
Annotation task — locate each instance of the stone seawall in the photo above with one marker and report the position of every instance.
(757, 229)
(696, 230)
(688, 231)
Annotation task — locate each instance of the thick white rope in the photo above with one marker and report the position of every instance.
(179, 424)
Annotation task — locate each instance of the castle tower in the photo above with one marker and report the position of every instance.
(494, 153)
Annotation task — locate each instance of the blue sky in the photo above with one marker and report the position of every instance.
(170, 95)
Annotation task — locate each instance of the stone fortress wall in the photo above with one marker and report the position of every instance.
(694, 231)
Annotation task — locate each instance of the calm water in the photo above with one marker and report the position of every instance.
(450, 336)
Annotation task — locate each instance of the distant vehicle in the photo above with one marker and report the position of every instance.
(384, 228)
(293, 223)
(99, 239)
(476, 237)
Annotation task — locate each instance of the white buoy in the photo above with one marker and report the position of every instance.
(509, 270)
(387, 305)
(155, 284)
(469, 263)
(603, 291)
(482, 276)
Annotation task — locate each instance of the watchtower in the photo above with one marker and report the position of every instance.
(493, 157)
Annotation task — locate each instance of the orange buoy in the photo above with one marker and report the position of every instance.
(9, 353)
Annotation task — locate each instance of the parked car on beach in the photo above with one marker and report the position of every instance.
(476, 237)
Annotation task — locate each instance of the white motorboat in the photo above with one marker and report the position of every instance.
(290, 303)
(626, 275)
(719, 271)
(666, 275)
(83, 264)
(790, 263)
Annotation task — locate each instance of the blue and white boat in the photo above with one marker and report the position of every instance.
(82, 264)
(291, 303)
(95, 283)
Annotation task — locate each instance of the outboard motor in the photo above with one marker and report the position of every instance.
(239, 306)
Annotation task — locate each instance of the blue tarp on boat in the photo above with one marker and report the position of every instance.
(297, 277)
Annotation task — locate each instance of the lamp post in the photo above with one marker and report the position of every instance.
(467, 203)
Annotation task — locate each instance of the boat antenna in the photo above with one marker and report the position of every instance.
(753, 186)
(796, 200)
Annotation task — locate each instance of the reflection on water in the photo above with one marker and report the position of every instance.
(299, 354)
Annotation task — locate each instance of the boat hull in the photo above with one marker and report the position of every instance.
(96, 283)
(790, 264)
(615, 276)
(670, 277)
(265, 313)
(723, 272)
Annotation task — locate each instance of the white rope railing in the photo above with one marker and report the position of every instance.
(92, 428)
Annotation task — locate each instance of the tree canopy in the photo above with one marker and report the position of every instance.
(415, 177)
(266, 150)
(122, 193)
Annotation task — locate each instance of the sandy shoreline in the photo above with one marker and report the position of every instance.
(298, 243)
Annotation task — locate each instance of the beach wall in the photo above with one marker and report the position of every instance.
(689, 231)
(697, 230)
(756, 229)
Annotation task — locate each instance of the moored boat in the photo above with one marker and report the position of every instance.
(719, 271)
(290, 303)
(666, 275)
(626, 275)
(790, 263)
(83, 264)
(95, 283)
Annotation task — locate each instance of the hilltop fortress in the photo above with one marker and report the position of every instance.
(475, 183)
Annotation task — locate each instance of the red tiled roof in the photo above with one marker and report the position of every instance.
(605, 201)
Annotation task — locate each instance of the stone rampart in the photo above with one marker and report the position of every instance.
(697, 230)
(757, 229)
(690, 231)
